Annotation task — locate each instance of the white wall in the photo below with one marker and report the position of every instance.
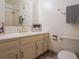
(52, 19)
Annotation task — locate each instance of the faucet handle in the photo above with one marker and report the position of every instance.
(24, 29)
(19, 29)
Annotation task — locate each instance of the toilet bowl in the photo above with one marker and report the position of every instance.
(66, 55)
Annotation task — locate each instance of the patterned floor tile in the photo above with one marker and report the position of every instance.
(48, 55)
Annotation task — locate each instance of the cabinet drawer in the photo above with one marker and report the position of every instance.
(31, 39)
(8, 44)
(39, 37)
(26, 40)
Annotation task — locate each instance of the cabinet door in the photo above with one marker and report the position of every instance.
(11, 54)
(45, 45)
(28, 51)
(39, 47)
(46, 40)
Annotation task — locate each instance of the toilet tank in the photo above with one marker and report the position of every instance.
(70, 43)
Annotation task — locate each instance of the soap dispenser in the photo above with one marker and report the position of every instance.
(1, 27)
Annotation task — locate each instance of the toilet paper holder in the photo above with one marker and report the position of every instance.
(54, 37)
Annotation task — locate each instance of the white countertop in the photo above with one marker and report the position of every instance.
(17, 35)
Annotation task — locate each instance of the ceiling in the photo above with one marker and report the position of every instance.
(11, 1)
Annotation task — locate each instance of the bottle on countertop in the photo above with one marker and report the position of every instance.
(1, 27)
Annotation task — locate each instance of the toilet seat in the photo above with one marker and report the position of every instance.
(66, 55)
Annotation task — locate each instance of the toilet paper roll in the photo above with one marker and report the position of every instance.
(54, 38)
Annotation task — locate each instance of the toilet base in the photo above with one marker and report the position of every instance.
(64, 54)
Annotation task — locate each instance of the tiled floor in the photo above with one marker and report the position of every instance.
(48, 58)
(48, 55)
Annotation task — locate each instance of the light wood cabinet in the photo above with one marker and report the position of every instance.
(28, 51)
(13, 54)
(46, 42)
(39, 47)
(28, 47)
(32, 46)
(9, 49)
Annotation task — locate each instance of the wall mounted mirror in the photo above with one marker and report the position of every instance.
(12, 17)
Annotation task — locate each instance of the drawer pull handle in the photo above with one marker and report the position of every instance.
(16, 56)
(22, 54)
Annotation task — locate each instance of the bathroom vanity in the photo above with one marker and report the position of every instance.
(23, 45)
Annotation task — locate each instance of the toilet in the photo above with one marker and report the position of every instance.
(70, 46)
(64, 54)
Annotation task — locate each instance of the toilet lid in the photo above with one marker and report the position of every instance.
(66, 55)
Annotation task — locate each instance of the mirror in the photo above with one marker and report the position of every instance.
(12, 17)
